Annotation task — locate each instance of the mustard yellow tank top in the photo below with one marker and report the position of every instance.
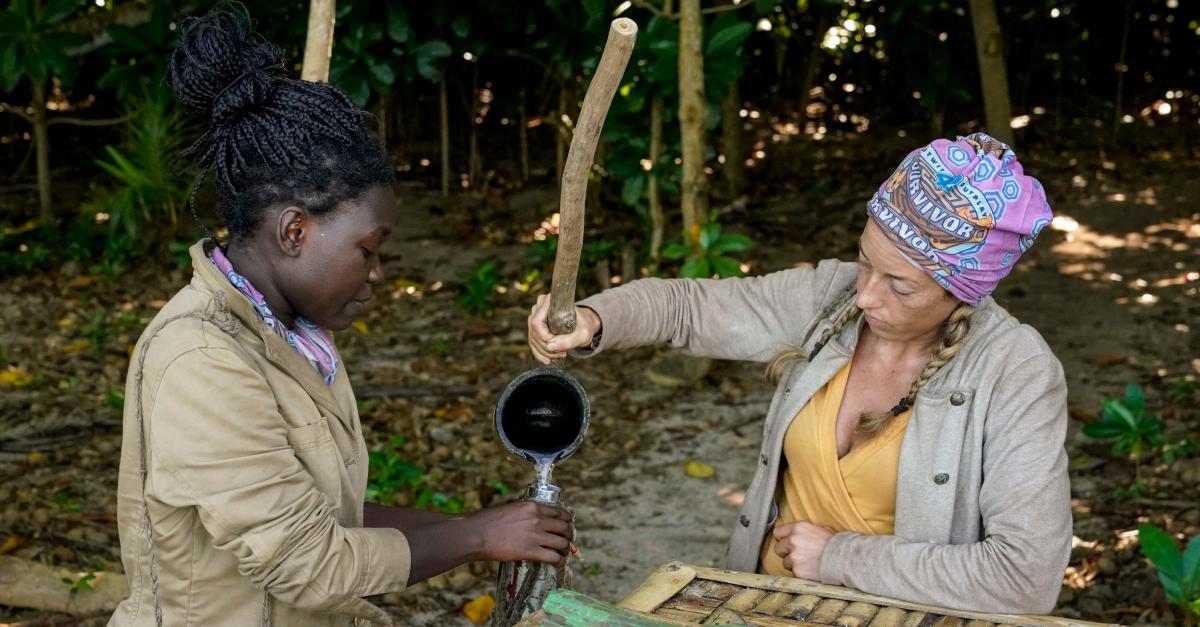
(854, 493)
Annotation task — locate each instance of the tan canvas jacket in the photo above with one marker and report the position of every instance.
(983, 518)
(251, 507)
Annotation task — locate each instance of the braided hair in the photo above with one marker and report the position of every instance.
(270, 139)
(954, 331)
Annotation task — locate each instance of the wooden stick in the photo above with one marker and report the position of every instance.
(618, 48)
(25, 583)
(662, 585)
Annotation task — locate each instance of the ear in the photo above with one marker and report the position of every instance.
(292, 230)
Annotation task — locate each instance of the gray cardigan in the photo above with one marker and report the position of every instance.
(983, 517)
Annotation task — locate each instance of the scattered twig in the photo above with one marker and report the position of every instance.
(17, 111)
(1175, 503)
(86, 122)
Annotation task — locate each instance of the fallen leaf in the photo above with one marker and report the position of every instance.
(69, 321)
(479, 609)
(15, 377)
(361, 327)
(76, 346)
(37, 458)
(1108, 360)
(11, 543)
(699, 470)
(1081, 416)
(81, 281)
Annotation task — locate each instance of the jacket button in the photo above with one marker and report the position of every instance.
(745, 520)
(763, 458)
(787, 391)
(941, 478)
(957, 399)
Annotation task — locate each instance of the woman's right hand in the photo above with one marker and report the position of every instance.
(525, 531)
(547, 346)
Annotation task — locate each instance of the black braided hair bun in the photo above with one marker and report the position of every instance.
(270, 139)
(221, 67)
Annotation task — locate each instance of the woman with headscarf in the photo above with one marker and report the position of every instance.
(914, 444)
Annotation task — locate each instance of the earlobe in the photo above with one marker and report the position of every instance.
(293, 230)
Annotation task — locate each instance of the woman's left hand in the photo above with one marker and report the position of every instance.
(801, 544)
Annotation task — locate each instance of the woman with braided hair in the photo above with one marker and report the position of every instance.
(914, 445)
(243, 464)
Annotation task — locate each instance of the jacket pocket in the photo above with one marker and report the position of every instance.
(315, 449)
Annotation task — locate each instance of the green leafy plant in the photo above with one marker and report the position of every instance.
(138, 56)
(67, 503)
(35, 45)
(389, 473)
(707, 252)
(479, 286)
(1135, 432)
(1178, 572)
(146, 188)
(78, 585)
(380, 49)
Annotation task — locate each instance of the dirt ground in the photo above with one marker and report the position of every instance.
(1113, 289)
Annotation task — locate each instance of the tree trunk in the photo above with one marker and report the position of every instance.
(657, 220)
(318, 46)
(41, 138)
(385, 106)
(523, 131)
(731, 141)
(473, 164)
(815, 56)
(693, 114)
(989, 48)
(444, 109)
(1122, 69)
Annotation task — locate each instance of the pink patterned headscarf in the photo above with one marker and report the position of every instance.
(963, 211)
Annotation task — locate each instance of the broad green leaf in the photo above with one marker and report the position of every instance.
(56, 11)
(726, 41)
(359, 91)
(10, 74)
(461, 26)
(1104, 429)
(709, 233)
(1160, 549)
(1135, 399)
(696, 268)
(128, 37)
(1172, 587)
(433, 50)
(1190, 564)
(382, 72)
(398, 28)
(726, 266)
(1117, 410)
(632, 190)
(730, 244)
(676, 251)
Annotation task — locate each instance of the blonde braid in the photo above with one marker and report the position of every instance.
(953, 333)
(793, 354)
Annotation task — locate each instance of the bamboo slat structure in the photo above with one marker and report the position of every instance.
(678, 593)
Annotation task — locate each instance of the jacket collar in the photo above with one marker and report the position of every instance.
(206, 278)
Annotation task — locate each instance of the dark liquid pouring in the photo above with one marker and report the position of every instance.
(543, 420)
